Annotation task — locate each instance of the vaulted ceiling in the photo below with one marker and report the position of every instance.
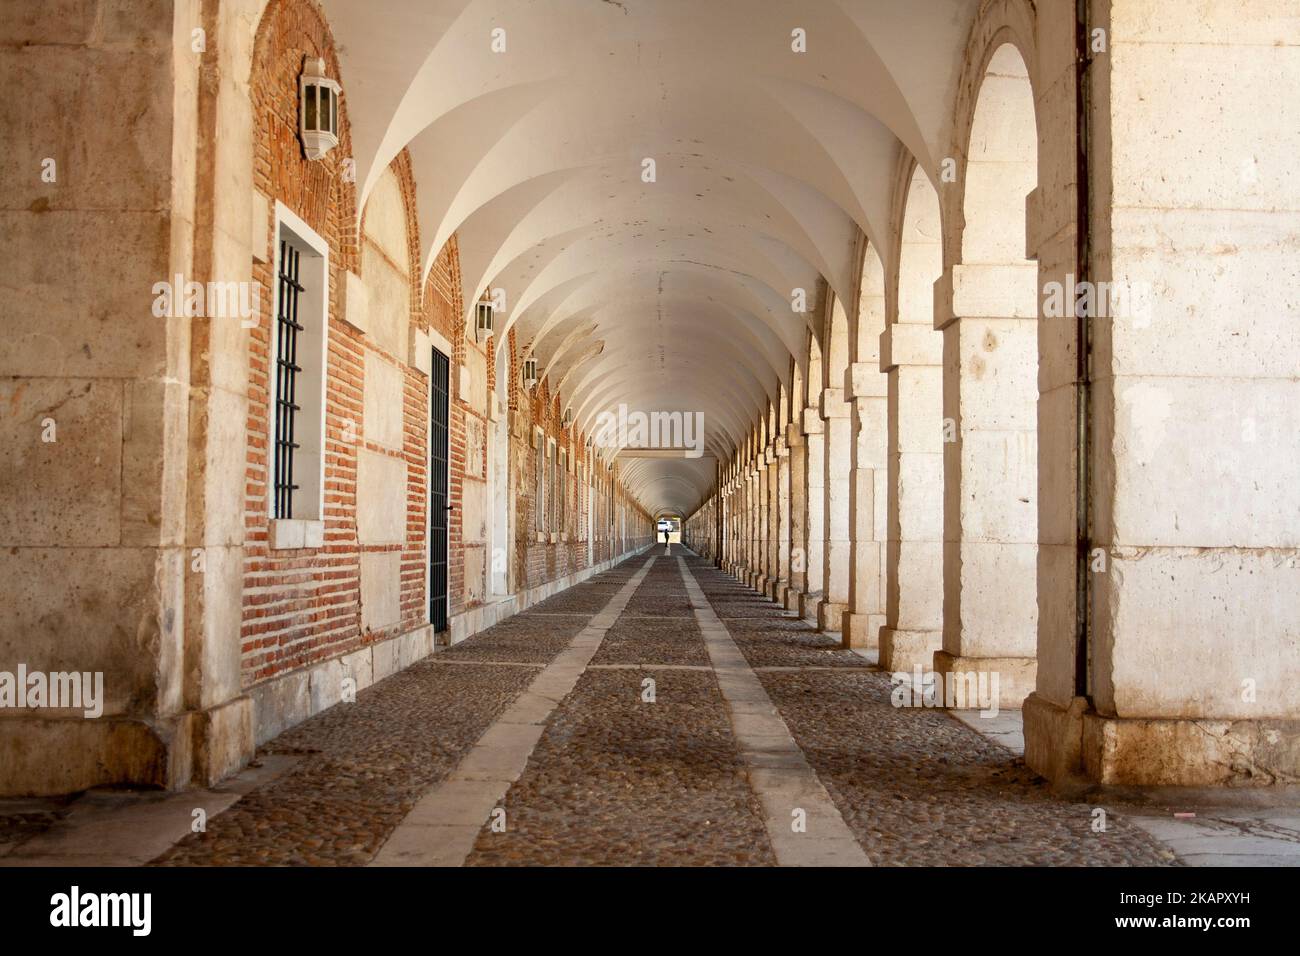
(675, 294)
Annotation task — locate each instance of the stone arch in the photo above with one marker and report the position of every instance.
(1000, 23)
(866, 390)
(987, 311)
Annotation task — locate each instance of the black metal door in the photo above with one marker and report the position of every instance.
(439, 491)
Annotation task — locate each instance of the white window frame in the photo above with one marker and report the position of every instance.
(551, 509)
(539, 445)
(305, 527)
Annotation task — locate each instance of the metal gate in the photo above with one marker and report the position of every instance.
(439, 491)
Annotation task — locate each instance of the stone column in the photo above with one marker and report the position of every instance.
(868, 497)
(814, 434)
(1193, 673)
(783, 523)
(742, 523)
(835, 413)
(121, 488)
(911, 355)
(797, 555)
(773, 563)
(754, 490)
(990, 479)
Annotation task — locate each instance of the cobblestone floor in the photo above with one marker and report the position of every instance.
(915, 786)
(617, 780)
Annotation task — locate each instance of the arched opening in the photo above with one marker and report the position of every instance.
(815, 498)
(865, 390)
(837, 429)
(911, 355)
(990, 398)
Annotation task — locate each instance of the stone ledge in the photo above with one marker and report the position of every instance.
(290, 534)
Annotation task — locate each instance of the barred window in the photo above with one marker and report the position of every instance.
(563, 492)
(296, 390)
(540, 507)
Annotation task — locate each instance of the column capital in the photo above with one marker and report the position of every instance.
(865, 380)
(906, 343)
(812, 421)
(984, 290)
(833, 404)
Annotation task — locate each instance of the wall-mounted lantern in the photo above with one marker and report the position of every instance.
(318, 109)
(484, 320)
(530, 372)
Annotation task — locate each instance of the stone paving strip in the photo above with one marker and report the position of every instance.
(441, 828)
(802, 821)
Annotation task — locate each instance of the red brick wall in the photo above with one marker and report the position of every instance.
(300, 606)
(303, 606)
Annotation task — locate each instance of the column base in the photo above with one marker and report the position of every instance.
(861, 630)
(792, 598)
(776, 591)
(808, 602)
(43, 756)
(1017, 676)
(830, 615)
(1064, 743)
(908, 650)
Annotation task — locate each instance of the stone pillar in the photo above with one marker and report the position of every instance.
(773, 564)
(798, 550)
(783, 523)
(990, 479)
(814, 434)
(754, 559)
(121, 488)
(1194, 667)
(911, 355)
(868, 497)
(742, 525)
(836, 414)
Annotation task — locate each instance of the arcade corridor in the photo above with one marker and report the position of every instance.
(657, 432)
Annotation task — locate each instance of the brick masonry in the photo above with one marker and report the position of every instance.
(301, 607)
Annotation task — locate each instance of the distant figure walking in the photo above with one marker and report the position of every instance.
(668, 545)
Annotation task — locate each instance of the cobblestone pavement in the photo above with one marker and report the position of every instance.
(915, 786)
(616, 779)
